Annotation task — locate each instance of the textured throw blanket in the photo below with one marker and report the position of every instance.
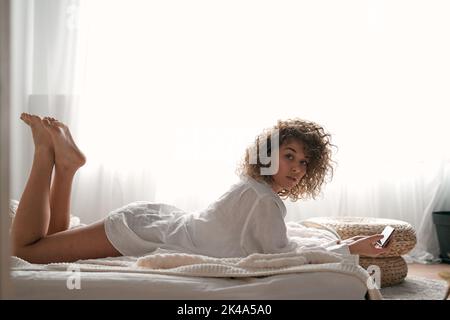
(254, 261)
(181, 264)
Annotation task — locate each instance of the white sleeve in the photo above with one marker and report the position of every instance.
(309, 235)
(342, 249)
(265, 229)
(336, 247)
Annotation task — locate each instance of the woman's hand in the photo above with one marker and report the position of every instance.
(366, 245)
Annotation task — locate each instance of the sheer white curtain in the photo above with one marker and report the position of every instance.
(43, 56)
(169, 94)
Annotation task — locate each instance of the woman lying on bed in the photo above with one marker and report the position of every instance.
(248, 218)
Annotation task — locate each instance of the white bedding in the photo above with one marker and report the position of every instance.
(122, 278)
(117, 285)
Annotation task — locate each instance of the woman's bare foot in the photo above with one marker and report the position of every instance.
(41, 137)
(67, 154)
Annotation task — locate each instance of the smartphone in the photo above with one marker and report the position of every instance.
(387, 233)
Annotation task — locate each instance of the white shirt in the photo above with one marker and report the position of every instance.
(248, 218)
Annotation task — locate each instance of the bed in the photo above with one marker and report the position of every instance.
(203, 278)
(113, 278)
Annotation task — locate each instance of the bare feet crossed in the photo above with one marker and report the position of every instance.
(41, 136)
(67, 154)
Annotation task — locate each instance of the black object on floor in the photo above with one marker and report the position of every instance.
(441, 220)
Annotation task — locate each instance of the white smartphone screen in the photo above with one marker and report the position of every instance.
(387, 233)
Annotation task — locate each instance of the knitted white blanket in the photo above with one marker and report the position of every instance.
(181, 264)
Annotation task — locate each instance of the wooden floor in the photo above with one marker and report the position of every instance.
(430, 271)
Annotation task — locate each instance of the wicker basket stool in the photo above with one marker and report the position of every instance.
(393, 267)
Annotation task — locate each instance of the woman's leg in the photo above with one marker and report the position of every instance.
(68, 159)
(29, 230)
(60, 202)
(33, 213)
(88, 242)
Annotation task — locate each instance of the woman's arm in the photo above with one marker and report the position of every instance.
(366, 245)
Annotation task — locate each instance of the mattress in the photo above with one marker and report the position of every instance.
(115, 285)
(34, 282)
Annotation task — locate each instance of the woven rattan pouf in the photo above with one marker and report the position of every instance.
(393, 267)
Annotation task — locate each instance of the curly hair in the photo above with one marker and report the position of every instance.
(317, 146)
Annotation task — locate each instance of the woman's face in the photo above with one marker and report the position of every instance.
(292, 166)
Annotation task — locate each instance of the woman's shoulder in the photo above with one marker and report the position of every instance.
(249, 190)
(265, 194)
(262, 188)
